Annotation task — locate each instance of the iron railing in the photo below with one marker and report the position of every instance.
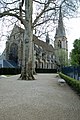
(72, 71)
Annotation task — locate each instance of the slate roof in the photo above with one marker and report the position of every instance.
(7, 64)
(44, 45)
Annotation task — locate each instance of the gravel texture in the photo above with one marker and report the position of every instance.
(40, 99)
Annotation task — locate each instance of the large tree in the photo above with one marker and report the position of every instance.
(75, 53)
(44, 17)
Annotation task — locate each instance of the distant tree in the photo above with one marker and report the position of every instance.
(75, 53)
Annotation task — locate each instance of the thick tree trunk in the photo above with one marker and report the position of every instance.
(27, 69)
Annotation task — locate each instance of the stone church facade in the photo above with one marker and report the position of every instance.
(45, 55)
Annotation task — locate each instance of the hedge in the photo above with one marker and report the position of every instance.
(75, 84)
(10, 71)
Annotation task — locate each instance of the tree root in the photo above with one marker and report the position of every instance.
(26, 77)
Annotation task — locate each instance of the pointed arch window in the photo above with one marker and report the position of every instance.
(59, 44)
(13, 55)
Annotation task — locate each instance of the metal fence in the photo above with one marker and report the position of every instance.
(73, 72)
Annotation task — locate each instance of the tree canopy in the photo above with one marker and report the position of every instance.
(75, 53)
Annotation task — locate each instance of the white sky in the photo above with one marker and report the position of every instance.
(72, 33)
(2, 46)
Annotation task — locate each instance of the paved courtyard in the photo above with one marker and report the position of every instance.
(40, 99)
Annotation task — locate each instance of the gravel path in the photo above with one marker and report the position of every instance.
(40, 99)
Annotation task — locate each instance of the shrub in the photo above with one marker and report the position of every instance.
(75, 84)
(10, 71)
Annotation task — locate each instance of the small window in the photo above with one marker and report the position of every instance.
(59, 44)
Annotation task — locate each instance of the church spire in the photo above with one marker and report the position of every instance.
(60, 31)
(60, 43)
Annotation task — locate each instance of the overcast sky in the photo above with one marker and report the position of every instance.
(72, 31)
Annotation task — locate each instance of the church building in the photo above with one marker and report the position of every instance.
(44, 54)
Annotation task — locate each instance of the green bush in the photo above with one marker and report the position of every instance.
(10, 71)
(75, 84)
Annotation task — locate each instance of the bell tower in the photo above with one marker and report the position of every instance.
(61, 43)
